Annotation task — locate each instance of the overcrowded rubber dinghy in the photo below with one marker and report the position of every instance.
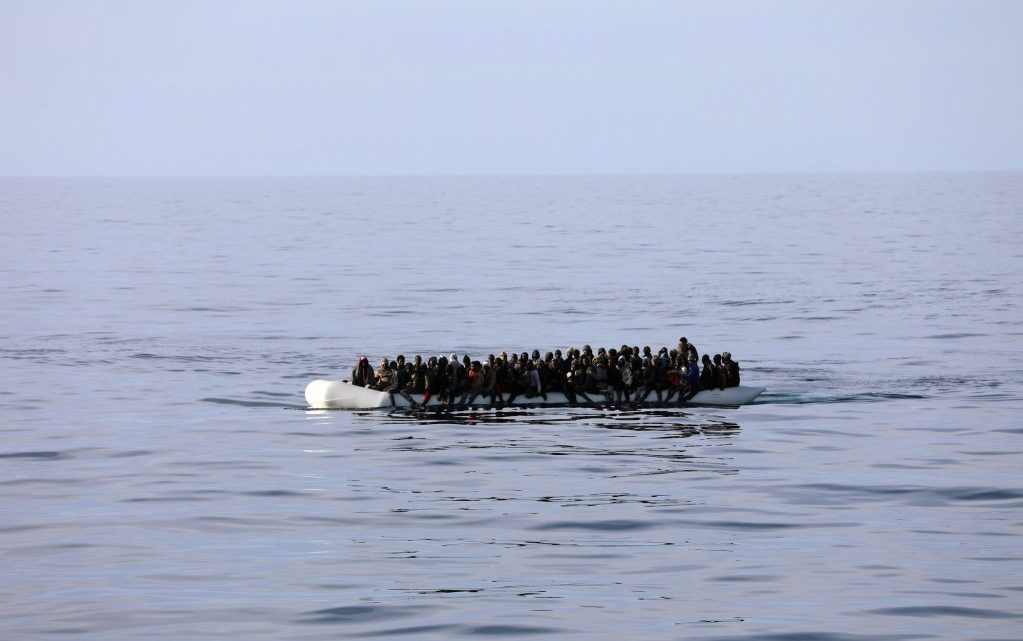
(323, 394)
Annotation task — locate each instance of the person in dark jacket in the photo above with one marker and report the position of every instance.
(731, 370)
(650, 379)
(399, 383)
(578, 381)
(435, 383)
(418, 375)
(490, 383)
(692, 375)
(709, 377)
(721, 382)
(614, 379)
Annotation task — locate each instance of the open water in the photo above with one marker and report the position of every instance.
(156, 481)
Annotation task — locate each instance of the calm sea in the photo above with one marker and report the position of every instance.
(158, 481)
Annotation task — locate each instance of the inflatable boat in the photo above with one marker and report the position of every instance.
(321, 394)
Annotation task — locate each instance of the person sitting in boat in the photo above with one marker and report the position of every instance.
(692, 375)
(708, 377)
(720, 379)
(454, 375)
(628, 377)
(363, 375)
(596, 374)
(558, 365)
(577, 381)
(650, 379)
(399, 383)
(687, 348)
(674, 383)
(490, 383)
(434, 380)
(731, 370)
(545, 374)
(418, 375)
(384, 375)
(532, 384)
(614, 379)
(475, 384)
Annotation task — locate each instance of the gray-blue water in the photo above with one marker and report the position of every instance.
(153, 484)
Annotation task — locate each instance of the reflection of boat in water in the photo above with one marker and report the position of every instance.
(321, 394)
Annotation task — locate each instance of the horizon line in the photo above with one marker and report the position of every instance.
(823, 172)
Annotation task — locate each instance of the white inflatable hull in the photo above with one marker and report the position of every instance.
(322, 394)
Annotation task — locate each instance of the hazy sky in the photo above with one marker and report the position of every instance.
(476, 86)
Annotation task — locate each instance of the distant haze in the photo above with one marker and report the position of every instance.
(196, 87)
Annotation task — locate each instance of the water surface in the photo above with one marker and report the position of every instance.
(156, 332)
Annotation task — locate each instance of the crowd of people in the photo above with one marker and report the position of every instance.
(625, 375)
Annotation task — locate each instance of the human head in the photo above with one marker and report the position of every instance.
(726, 356)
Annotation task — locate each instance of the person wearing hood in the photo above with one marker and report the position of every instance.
(363, 375)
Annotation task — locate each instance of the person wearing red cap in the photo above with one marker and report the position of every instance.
(363, 375)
